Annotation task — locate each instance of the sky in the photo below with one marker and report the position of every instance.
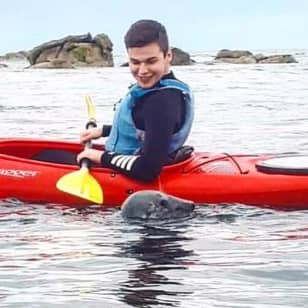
(192, 25)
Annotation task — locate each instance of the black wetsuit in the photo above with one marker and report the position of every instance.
(160, 114)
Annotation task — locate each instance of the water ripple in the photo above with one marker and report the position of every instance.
(223, 256)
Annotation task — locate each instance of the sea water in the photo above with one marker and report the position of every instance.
(224, 256)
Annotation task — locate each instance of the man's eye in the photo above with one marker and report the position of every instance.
(134, 62)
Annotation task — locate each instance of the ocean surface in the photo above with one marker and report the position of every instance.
(227, 255)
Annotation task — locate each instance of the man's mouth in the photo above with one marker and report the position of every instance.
(144, 79)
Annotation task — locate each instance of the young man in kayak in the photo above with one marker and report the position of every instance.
(154, 119)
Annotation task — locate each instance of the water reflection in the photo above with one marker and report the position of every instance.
(160, 254)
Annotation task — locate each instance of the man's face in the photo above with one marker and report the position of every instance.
(148, 64)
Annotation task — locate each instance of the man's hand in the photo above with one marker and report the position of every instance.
(92, 154)
(92, 133)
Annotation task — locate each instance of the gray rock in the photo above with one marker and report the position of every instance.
(259, 57)
(226, 53)
(247, 57)
(106, 47)
(54, 63)
(240, 60)
(278, 59)
(19, 55)
(181, 57)
(73, 51)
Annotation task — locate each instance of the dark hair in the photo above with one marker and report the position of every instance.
(147, 31)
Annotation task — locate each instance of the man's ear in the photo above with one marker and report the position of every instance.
(169, 55)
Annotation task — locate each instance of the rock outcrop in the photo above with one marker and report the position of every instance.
(247, 57)
(276, 59)
(73, 51)
(20, 55)
(181, 57)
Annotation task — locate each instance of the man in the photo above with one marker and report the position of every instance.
(154, 119)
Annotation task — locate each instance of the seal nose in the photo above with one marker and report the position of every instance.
(183, 209)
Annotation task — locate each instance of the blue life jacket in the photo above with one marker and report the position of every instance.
(125, 138)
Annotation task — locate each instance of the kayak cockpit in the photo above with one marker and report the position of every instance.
(64, 152)
(42, 150)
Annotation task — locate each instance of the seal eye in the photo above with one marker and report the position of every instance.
(163, 202)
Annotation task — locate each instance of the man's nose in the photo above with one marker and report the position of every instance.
(143, 68)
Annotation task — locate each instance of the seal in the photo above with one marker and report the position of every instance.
(155, 205)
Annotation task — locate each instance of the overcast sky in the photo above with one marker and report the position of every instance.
(194, 25)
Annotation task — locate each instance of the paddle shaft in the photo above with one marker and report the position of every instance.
(85, 162)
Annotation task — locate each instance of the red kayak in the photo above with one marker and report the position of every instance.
(30, 169)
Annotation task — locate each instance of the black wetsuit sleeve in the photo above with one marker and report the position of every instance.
(162, 114)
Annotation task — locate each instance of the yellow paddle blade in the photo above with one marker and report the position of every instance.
(81, 184)
(91, 109)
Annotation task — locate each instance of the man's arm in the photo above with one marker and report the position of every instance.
(162, 115)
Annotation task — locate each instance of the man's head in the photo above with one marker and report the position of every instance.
(146, 31)
(148, 50)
